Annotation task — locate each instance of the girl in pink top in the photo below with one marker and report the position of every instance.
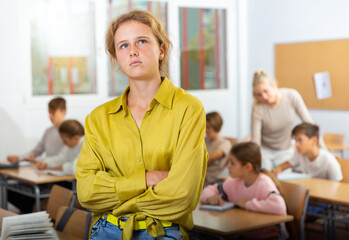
(248, 187)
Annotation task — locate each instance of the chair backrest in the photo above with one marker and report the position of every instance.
(59, 197)
(344, 163)
(333, 139)
(5, 213)
(296, 198)
(78, 223)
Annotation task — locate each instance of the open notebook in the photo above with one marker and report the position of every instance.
(218, 208)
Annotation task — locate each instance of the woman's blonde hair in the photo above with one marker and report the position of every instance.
(261, 76)
(148, 19)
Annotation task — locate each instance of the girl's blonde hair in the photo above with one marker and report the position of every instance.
(148, 19)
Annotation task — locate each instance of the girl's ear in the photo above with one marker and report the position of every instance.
(249, 166)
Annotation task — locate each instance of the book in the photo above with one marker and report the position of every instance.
(290, 175)
(52, 172)
(28, 226)
(218, 208)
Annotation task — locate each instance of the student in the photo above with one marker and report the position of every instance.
(72, 134)
(143, 162)
(248, 187)
(312, 159)
(273, 115)
(50, 143)
(218, 148)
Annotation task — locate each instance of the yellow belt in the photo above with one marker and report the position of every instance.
(140, 224)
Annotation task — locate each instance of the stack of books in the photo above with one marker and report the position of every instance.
(28, 226)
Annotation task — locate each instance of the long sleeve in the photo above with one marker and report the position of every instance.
(300, 108)
(273, 204)
(69, 167)
(178, 193)
(57, 160)
(209, 191)
(256, 126)
(101, 190)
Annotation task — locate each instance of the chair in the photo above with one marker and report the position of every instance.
(335, 142)
(296, 198)
(344, 163)
(59, 197)
(76, 225)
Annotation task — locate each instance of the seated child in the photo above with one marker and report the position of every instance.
(50, 142)
(72, 134)
(217, 147)
(248, 187)
(318, 162)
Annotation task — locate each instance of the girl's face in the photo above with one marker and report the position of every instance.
(265, 93)
(137, 51)
(236, 169)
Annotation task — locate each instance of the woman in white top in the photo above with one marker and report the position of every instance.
(273, 115)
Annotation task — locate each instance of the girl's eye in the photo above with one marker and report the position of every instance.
(123, 46)
(142, 41)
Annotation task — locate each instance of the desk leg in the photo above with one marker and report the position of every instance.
(37, 197)
(3, 191)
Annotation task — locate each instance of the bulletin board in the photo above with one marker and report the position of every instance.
(296, 63)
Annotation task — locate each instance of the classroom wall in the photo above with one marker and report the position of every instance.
(287, 21)
(23, 121)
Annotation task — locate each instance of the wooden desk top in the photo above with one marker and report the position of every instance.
(235, 221)
(29, 174)
(325, 190)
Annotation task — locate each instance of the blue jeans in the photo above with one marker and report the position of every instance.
(103, 230)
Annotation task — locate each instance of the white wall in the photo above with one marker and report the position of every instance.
(23, 120)
(21, 124)
(259, 25)
(289, 21)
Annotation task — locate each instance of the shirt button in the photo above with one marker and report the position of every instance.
(138, 160)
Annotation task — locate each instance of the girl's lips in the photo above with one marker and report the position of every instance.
(135, 63)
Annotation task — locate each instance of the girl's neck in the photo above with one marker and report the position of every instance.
(250, 178)
(142, 92)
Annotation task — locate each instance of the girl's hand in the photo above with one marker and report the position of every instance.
(152, 178)
(241, 203)
(31, 158)
(215, 200)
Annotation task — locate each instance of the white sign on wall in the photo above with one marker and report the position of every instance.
(323, 85)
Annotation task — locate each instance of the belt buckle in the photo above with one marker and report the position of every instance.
(119, 220)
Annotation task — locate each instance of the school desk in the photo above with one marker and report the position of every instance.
(233, 221)
(333, 194)
(27, 182)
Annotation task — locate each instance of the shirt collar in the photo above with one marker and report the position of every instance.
(164, 96)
